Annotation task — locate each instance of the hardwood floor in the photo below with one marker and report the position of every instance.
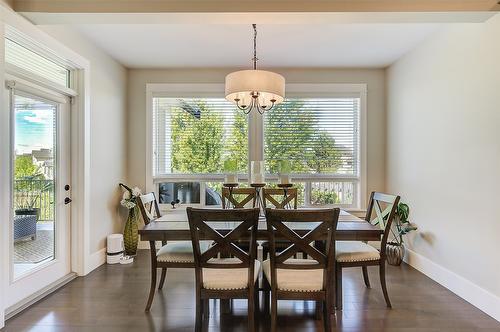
(112, 298)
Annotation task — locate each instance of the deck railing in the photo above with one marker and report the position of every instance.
(35, 193)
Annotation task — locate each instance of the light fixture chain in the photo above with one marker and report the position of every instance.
(254, 46)
(247, 101)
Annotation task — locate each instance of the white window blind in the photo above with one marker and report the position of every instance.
(34, 63)
(197, 135)
(316, 136)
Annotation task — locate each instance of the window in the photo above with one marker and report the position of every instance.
(319, 138)
(197, 135)
(34, 63)
(318, 133)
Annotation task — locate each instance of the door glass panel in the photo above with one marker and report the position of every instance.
(35, 124)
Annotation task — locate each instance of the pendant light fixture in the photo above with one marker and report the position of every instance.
(255, 89)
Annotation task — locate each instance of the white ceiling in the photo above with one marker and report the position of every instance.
(279, 45)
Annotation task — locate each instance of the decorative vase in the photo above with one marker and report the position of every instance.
(395, 253)
(131, 233)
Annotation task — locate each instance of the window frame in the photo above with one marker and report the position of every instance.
(256, 135)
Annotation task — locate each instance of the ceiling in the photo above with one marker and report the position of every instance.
(279, 45)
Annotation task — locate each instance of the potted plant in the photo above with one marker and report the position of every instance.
(130, 233)
(395, 249)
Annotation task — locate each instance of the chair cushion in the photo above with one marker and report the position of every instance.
(296, 280)
(228, 279)
(179, 252)
(355, 251)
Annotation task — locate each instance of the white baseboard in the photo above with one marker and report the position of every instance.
(95, 260)
(472, 293)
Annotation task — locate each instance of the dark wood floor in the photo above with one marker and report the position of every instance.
(112, 298)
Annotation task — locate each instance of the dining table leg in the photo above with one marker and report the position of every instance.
(152, 289)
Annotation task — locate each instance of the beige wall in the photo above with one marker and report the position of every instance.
(8, 3)
(374, 78)
(108, 134)
(443, 151)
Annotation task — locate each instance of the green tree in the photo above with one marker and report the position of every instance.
(197, 138)
(238, 142)
(323, 157)
(287, 133)
(25, 168)
(294, 135)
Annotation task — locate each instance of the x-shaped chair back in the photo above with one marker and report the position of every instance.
(280, 198)
(321, 222)
(238, 197)
(201, 225)
(148, 205)
(383, 207)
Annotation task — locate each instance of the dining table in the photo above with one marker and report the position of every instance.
(174, 226)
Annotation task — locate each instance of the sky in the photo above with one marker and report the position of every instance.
(34, 125)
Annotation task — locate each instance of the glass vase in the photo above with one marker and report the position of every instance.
(131, 232)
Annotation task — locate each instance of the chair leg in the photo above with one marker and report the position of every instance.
(327, 315)
(257, 299)
(162, 278)
(206, 308)
(338, 287)
(320, 307)
(274, 312)
(199, 313)
(365, 277)
(152, 289)
(266, 294)
(251, 311)
(384, 286)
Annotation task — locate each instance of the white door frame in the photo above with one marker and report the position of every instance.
(21, 288)
(80, 147)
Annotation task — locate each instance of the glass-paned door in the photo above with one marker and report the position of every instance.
(40, 191)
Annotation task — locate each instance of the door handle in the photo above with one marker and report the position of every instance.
(67, 200)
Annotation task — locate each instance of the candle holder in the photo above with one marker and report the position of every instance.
(231, 171)
(257, 172)
(259, 198)
(230, 179)
(285, 187)
(284, 178)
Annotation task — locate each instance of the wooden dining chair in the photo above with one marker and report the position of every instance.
(280, 198)
(238, 197)
(171, 255)
(302, 279)
(361, 254)
(225, 278)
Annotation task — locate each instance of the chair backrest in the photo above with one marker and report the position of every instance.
(203, 226)
(383, 207)
(238, 197)
(280, 198)
(148, 205)
(321, 221)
